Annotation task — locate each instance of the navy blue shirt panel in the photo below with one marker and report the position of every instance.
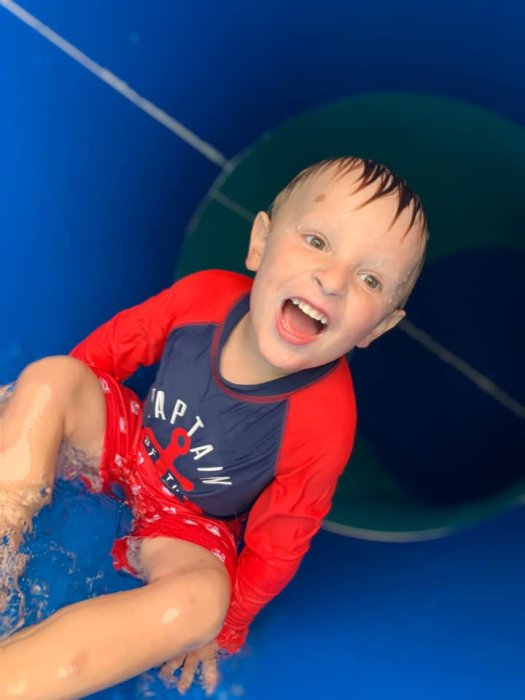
(234, 444)
(214, 443)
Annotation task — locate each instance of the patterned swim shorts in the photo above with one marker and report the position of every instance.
(154, 514)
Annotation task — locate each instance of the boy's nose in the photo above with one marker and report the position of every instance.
(333, 281)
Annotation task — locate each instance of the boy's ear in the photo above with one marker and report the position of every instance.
(258, 237)
(382, 327)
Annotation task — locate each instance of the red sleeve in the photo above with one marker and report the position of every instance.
(132, 338)
(137, 336)
(291, 509)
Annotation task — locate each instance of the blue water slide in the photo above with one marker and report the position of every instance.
(130, 131)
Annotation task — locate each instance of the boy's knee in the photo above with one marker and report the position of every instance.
(210, 593)
(60, 371)
(206, 599)
(69, 379)
(74, 393)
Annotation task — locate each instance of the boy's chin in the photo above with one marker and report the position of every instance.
(290, 363)
(283, 358)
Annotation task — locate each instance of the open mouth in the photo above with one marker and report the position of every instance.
(303, 320)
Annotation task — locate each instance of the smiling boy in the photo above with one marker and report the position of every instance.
(248, 425)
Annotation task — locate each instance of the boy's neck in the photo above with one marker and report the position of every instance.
(240, 361)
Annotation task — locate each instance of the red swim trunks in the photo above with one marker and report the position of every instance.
(155, 514)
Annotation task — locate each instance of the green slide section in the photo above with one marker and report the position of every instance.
(467, 165)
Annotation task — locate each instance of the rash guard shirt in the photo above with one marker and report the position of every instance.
(269, 452)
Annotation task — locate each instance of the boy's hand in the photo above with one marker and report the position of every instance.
(206, 657)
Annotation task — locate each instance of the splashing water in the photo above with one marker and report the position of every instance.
(16, 509)
(65, 558)
(24, 596)
(12, 599)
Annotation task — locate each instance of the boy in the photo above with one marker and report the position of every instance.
(244, 433)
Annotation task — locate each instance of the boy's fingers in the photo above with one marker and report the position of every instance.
(210, 674)
(188, 673)
(169, 668)
(206, 657)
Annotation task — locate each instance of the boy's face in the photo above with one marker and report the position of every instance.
(329, 273)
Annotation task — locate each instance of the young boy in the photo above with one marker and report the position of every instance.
(248, 425)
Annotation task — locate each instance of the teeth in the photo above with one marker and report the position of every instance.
(310, 311)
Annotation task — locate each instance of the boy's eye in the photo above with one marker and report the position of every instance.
(371, 281)
(315, 241)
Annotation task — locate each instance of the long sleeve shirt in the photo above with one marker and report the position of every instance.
(269, 453)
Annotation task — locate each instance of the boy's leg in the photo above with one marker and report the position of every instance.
(102, 641)
(54, 399)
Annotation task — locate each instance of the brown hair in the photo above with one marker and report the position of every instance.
(388, 182)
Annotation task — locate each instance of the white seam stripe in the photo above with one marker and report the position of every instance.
(212, 154)
(480, 380)
(400, 536)
(233, 206)
(204, 148)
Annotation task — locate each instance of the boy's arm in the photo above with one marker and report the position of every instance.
(285, 517)
(137, 336)
(281, 525)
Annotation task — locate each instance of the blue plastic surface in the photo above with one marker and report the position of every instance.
(94, 199)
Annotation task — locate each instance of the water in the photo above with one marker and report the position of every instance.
(68, 560)
(65, 558)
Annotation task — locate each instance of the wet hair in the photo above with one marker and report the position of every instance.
(388, 183)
